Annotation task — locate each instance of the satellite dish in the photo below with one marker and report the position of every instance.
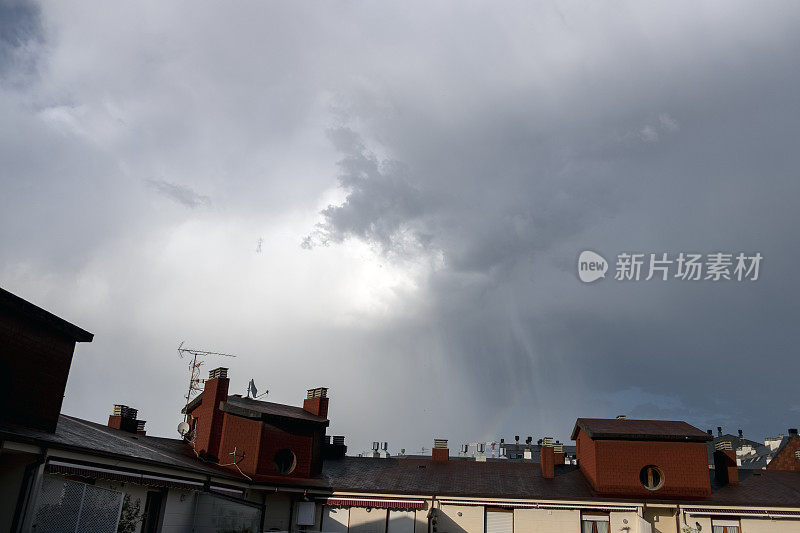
(183, 428)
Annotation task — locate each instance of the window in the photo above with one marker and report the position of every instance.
(724, 526)
(651, 477)
(285, 461)
(594, 523)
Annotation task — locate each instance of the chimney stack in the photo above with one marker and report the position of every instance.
(548, 460)
(208, 414)
(440, 452)
(741, 435)
(725, 469)
(792, 432)
(124, 418)
(480, 452)
(719, 431)
(558, 453)
(316, 402)
(334, 447)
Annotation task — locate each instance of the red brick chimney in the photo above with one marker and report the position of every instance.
(548, 460)
(208, 414)
(316, 402)
(725, 469)
(440, 452)
(124, 418)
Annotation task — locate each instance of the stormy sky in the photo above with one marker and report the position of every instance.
(389, 199)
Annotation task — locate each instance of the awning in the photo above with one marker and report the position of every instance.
(535, 505)
(109, 474)
(753, 513)
(379, 503)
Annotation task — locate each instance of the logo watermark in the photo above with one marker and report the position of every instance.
(662, 266)
(591, 266)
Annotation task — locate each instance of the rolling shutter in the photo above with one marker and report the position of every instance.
(499, 522)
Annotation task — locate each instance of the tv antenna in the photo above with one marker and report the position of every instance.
(252, 391)
(194, 368)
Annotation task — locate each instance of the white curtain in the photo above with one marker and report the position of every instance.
(602, 527)
(718, 529)
(587, 527)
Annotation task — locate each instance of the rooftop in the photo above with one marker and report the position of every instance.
(17, 305)
(492, 479)
(649, 430)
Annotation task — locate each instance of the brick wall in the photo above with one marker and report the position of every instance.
(300, 441)
(786, 459)
(587, 457)
(34, 365)
(612, 467)
(210, 418)
(244, 435)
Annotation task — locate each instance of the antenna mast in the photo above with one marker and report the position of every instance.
(194, 369)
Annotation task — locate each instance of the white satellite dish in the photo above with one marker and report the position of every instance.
(183, 428)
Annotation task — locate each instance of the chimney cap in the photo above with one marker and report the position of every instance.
(792, 431)
(317, 392)
(376, 445)
(219, 372)
(622, 417)
(440, 443)
(125, 412)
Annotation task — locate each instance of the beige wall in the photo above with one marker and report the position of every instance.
(623, 522)
(362, 521)
(546, 521)
(662, 519)
(421, 521)
(750, 525)
(470, 521)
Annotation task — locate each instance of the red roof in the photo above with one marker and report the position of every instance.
(627, 429)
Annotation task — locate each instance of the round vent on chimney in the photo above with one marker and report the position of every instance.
(651, 477)
(285, 461)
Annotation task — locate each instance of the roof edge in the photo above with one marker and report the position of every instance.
(15, 303)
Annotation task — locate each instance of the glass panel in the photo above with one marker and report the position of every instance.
(602, 527)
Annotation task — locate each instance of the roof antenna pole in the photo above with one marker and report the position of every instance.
(194, 370)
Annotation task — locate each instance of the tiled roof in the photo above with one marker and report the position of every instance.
(492, 479)
(628, 429)
(500, 479)
(236, 404)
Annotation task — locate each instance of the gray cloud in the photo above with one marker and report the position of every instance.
(179, 193)
(476, 153)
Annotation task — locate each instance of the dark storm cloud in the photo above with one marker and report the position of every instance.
(20, 27)
(381, 207)
(477, 148)
(180, 194)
